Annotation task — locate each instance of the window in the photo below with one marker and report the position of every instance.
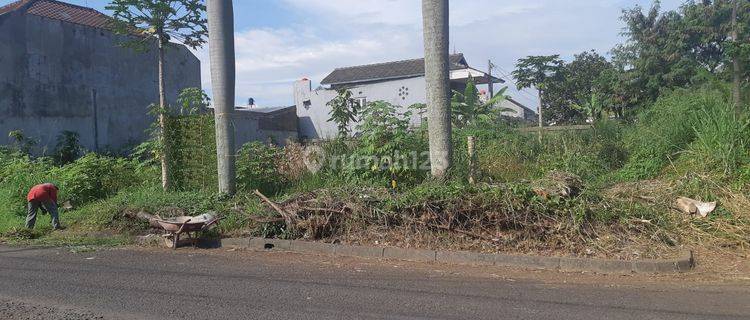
(362, 101)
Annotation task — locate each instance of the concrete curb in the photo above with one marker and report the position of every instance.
(685, 263)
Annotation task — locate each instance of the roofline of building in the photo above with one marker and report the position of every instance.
(323, 82)
(499, 80)
(398, 77)
(389, 62)
(514, 101)
(31, 2)
(25, 6)
(375, 79)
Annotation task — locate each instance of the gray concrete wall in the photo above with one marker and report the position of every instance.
(313, 116)
(278, 126)
(57, 76)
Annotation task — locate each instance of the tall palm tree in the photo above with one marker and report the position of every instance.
(221, 51)
(435, 22)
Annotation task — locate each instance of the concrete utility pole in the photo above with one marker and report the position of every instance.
(221, 52)
(437, 76)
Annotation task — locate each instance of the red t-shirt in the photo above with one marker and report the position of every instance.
(43, 192)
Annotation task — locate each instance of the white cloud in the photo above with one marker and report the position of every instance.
(269, 60)
(338, 33)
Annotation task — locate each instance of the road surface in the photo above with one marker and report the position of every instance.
(55, 283)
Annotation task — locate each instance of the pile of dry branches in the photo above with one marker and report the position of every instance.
(486, 217)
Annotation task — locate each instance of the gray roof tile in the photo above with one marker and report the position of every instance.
(60, 11)
(386, 71)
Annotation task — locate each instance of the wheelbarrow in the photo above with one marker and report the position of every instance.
(189, 225)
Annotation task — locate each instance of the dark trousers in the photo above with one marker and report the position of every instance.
(49, 206)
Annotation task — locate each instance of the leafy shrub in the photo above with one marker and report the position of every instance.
(344, 110)
(22, 143)
(192, 101)
(257, 168)
(95, 177)
(68, 147)
(17, 176)
(113, 211)
(387, 148)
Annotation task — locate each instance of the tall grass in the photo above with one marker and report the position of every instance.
(697, 126)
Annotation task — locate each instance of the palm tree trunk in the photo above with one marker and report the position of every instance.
(166, 175)
(221, 51)
(435, 22)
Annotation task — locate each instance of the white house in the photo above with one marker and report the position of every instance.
(401, 83)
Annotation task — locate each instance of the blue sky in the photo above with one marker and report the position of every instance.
(278, 41)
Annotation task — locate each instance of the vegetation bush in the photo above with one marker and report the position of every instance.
(257, 168)
(94, 177)
(89, 178)
(18, 174)
(698, 126)
(387, 147)
(506, 154)
(192, 149)
(68, 147)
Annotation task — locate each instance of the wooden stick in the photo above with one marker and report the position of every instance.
(287, 217)
(323, 210)
(470, 145)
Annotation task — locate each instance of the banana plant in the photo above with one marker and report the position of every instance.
(592, 108)
(467, 108)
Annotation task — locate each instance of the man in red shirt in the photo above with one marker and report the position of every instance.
(42, 196)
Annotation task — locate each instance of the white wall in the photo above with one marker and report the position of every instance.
(314, 117)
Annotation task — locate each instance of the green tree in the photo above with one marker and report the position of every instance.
(537, 71)
(343, 111)
(575, 83)
(157, 22)
(672, 49)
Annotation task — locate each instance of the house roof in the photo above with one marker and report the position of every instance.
(60, 11)
(386, 71)
(266, 110)
(513, 101)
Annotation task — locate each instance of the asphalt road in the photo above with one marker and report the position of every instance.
(218, 284)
